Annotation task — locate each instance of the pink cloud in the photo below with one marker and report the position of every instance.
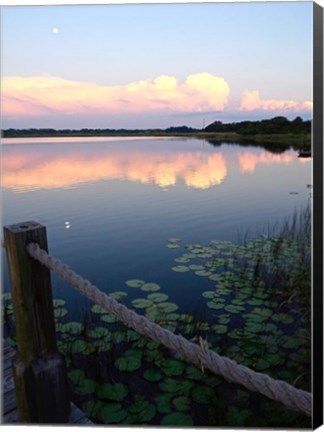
(24, 170)
(249, 160)
(251, 101)
(34, 96)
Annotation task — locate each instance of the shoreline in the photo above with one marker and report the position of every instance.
(296, 140)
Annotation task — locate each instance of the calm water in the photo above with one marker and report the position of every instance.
(111, 204)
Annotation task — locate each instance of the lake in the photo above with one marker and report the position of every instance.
(125, 209)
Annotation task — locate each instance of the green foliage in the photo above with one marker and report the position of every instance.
(115, 392)
(276, 125)
(177, 419)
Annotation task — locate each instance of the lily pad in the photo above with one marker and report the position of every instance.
(108, 318)
(73, 328)
(208, 294)
(182, 260)
(141, 303)
(270, 327)
(56, 302)
(176, 419)
(282, 318)
(172, 316)
(118, 295)
(238, 302)
(128, 364)
(158, 297)
(255, 327)
(220, 328)
(255, 302)
(181, 269)
(119, 336)
(112, 413)
(76, 376)
(214, 277)
(116, 392)
(98, 332)
(254, 317)
(130, 361)
(132, 336)
(215, 305)
(224, 319)
(202, 273)
(262, 311)
(98, 309)
(170, 385)
(196, 267)
(202, 394)
(78, 346)
(153, 375)
(174, 240)
(274, 359)
(237, 417)
(292, 343)
(142, 410)
(173, 246)
(234, 308)
(150, 286)
(181, 403)
(60, 312)
(262, 364)
(134, 283)
(194, 373)
(104, 346)
(92, 408)
(164, 403)
(167, 307)
(172, 367)
(87, 386)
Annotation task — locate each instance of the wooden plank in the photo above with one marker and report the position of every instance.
(77, 416)
(9, 402)
(6, 371)
(8, 383)
(7, 364)
(8, 351)
(10, 417)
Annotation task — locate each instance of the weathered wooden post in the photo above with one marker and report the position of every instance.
(39, 369)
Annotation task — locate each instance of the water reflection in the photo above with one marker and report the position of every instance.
(248, 160)
(32, 167)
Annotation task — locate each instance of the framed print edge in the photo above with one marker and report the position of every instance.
(318, 217)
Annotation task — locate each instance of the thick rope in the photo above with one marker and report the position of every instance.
(200, 355)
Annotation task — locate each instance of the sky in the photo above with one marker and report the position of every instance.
(154, 66)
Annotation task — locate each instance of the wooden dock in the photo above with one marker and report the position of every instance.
(9, 404)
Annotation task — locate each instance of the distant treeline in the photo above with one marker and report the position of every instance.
(276, 125)
(11, 133)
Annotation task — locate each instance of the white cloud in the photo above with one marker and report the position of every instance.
(31, 96)
(251, 101)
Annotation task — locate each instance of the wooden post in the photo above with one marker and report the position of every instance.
(39, 369)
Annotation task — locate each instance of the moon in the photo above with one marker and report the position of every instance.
(55, 30)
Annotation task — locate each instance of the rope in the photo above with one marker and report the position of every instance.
(200, 355)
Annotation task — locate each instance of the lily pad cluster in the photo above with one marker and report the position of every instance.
(253, 314)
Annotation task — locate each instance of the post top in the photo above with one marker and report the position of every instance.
(24, 226)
